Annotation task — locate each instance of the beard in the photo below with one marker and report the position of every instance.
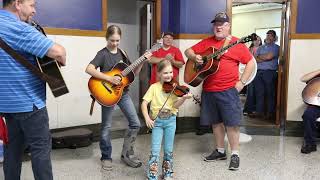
(25, 17)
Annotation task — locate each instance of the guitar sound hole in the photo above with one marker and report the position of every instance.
(198, 67)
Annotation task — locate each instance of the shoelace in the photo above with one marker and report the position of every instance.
(234, 159)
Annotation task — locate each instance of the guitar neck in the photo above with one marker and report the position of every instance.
(220, 51)
(134, 65)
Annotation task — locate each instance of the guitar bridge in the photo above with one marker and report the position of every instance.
(105, 85)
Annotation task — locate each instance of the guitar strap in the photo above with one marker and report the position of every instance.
(125, 56)
(23, 61)
(126, 60)
(226, 43)
(92, 105)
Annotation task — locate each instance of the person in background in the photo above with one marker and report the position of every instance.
(250, 104)
(23, 101)
(265, 81)
(162, 121)
(105, 60)
(170, 52)
(310, 115)
(221, 106)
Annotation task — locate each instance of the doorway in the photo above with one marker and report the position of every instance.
(129, 15)
(259, 17)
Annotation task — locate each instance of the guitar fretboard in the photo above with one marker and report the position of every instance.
(135, 64)
(222, 50)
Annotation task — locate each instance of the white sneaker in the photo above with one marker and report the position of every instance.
(106, 164)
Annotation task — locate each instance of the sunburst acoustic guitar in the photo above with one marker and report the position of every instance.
(108, 94)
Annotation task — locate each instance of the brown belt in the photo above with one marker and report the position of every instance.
(165, 114)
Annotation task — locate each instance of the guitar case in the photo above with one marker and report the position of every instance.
(72, 139)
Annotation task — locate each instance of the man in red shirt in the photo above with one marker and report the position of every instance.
(221, 106)
(168, 51)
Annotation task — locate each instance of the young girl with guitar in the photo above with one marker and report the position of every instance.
(162, 119)
(106, 59)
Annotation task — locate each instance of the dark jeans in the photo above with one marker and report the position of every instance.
(265, 86)
(310, 115)
(28, 129)
(250, 105)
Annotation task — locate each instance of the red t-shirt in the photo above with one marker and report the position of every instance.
(161, 53)
(228, 72)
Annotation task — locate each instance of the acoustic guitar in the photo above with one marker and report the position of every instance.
(195, 73)
(311, 93)
(108, 94)
(51, 68)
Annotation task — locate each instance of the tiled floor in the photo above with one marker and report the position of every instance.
(265, 157)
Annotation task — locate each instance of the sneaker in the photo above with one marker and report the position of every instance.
(215, 155)
(106, 164)
(308, 148)
(234, 162)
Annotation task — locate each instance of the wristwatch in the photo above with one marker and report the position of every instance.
(243, 82)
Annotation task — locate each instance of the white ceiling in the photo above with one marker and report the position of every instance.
(247, 8)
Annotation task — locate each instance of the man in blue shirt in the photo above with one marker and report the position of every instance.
(266, 78)
(23, 94)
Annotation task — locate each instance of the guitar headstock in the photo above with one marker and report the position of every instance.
(156, 46)
(251, 37)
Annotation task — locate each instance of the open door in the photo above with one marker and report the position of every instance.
(145, 44)
(284, 39)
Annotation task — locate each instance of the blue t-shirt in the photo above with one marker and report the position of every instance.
(272, 64)
(20, 89)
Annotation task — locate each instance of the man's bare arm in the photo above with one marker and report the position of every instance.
(58, 53)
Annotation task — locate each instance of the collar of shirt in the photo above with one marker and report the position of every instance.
(8, 14)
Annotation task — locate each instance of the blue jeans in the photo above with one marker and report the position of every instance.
(310, 115)
(250, 105)
(127, 107)
(29, 129)
(163, 128)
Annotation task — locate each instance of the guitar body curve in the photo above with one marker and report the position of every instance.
(106, 93)
(194, 76)
(51, 67)
(311, 93)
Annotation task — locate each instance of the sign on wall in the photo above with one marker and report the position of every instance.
(70, 14)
